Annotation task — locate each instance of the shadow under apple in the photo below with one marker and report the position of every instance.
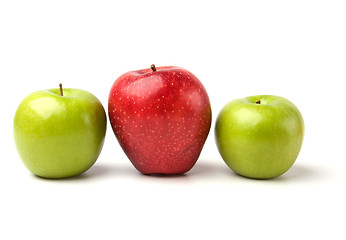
(297, 173)
(204, 168)
(301, 173)
(98, 170)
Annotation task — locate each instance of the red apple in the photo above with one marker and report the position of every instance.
(161, 118)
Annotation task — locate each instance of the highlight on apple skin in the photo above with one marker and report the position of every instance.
(59, 133)
(259, 136)
(161, 116)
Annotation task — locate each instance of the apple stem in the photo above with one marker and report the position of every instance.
(153, 67)
(258, 101)
(61, 93)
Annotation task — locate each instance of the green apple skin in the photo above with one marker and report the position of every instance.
(59, 136)
(259, 140)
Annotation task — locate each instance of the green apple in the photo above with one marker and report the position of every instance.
(259, 136)
(59, 132)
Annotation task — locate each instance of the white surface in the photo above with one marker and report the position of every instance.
(295, 49)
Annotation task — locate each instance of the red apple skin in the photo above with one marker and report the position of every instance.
(161, 118)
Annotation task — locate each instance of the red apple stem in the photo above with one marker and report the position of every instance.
(153, 67)
(258, 101)
(61, 92)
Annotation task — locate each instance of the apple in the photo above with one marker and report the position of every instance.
(59, 132)
(259, 136)
(161, 118)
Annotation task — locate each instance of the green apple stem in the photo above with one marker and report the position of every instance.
(153, 67)
(258, 101)
(61, 92)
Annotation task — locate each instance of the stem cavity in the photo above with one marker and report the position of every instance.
(258, 101)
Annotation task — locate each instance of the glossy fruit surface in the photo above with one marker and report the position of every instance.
(161, 118)
(259, 136)
(59, 136)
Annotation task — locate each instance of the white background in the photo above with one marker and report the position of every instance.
(294, 49)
